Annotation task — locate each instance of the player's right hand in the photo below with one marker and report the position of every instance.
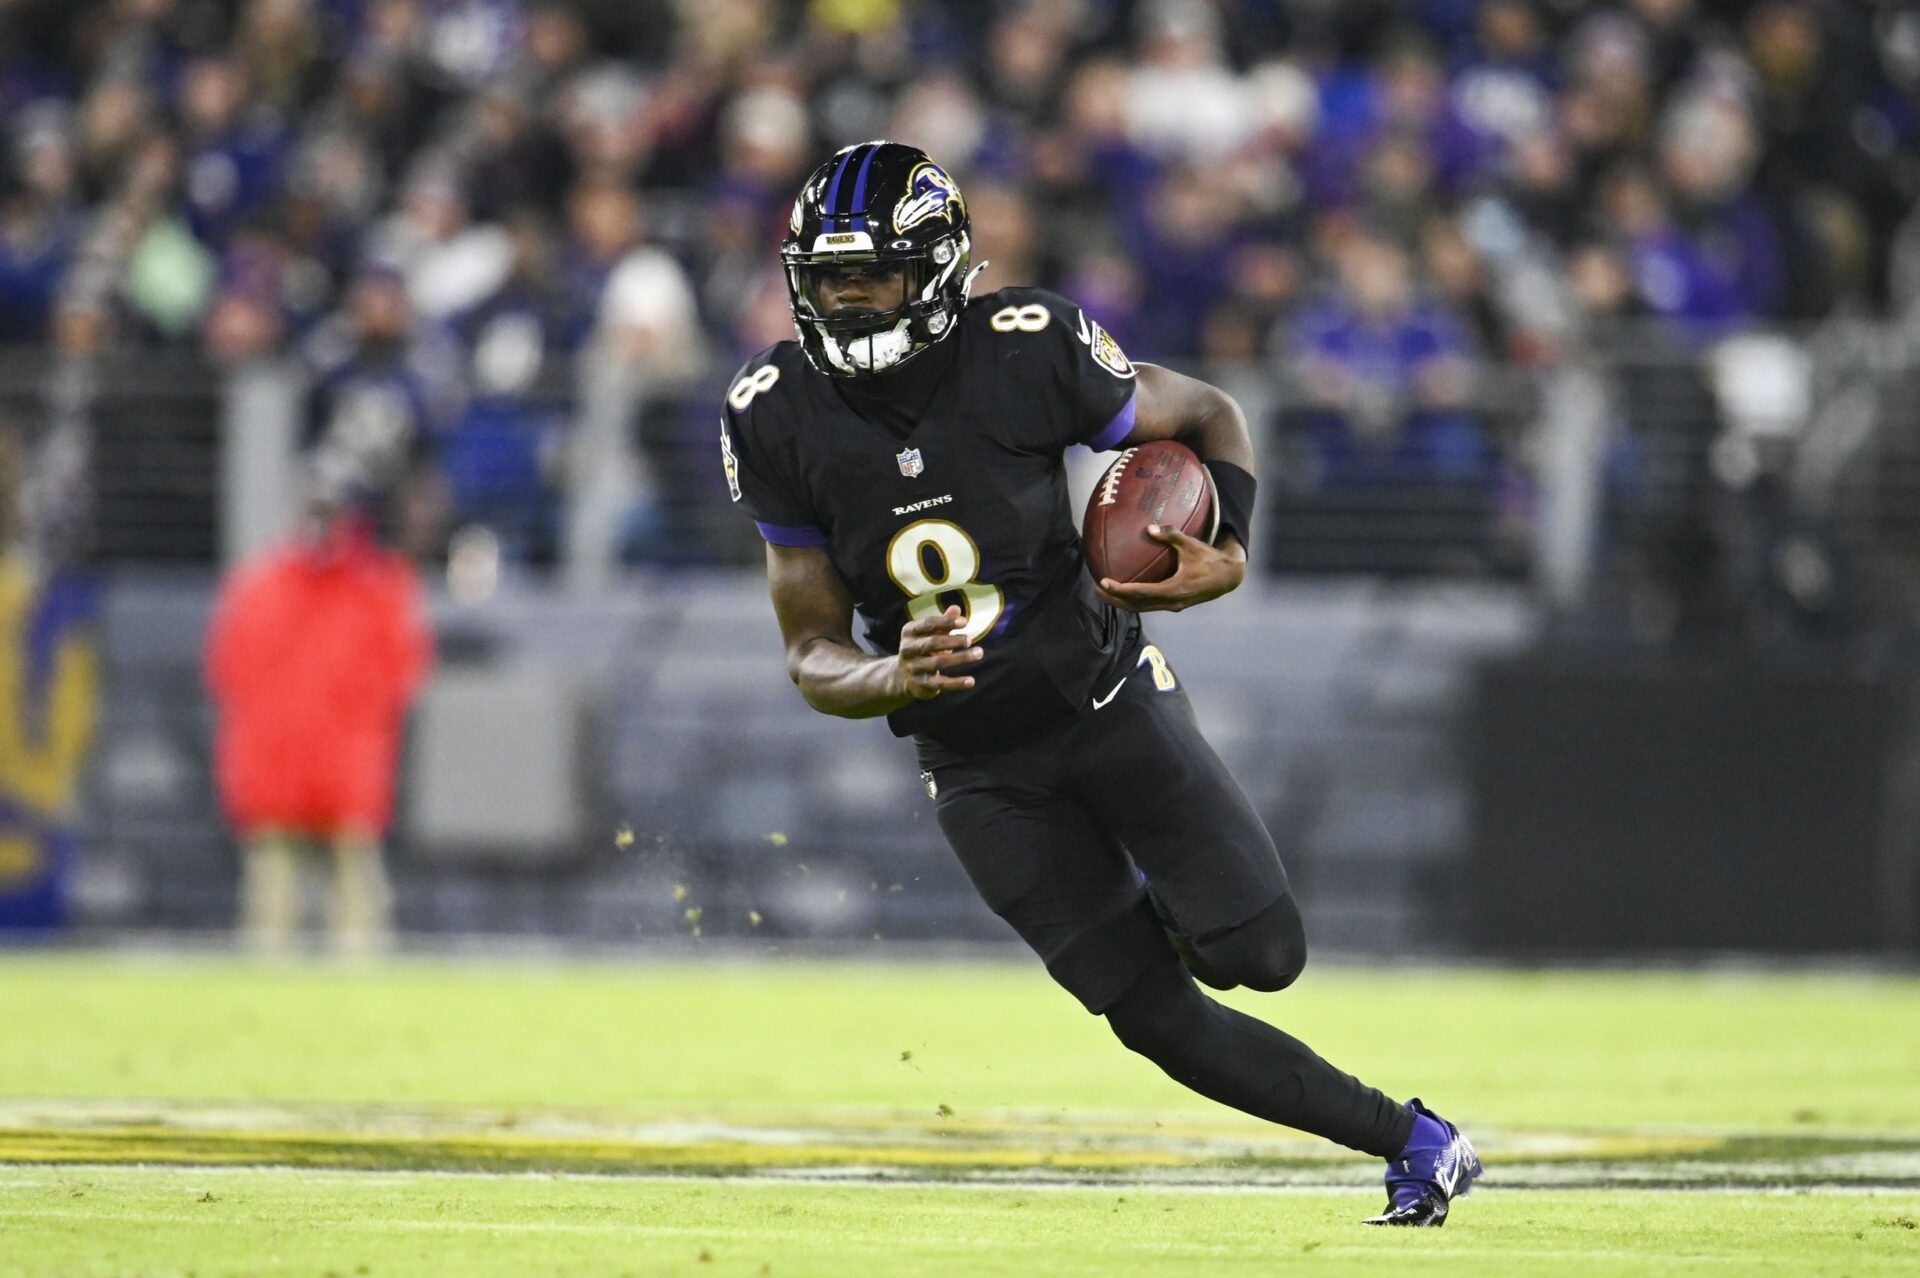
(929, 648)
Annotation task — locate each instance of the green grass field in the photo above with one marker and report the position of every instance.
(168, 1115)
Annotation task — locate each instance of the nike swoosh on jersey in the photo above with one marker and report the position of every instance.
(1101, 701)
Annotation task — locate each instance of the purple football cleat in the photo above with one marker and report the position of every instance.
(1425, 1179)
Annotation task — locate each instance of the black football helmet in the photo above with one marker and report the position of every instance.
(882, 211)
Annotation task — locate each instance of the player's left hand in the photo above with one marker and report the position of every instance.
(1201, 572)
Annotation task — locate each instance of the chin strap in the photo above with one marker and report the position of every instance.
(840, 352)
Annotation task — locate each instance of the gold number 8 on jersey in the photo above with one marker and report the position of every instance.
(959, 564)
(758, 382)
(1030, 318)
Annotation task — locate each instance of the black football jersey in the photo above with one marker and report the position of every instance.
(967, 507)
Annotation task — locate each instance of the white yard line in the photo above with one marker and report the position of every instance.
(44, 1175)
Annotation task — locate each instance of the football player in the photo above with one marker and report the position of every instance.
(903, 459)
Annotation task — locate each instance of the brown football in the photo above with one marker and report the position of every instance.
(1162, 483)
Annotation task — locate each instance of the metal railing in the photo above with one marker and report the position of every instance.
(1597, 469)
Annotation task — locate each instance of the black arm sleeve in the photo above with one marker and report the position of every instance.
(1234, 488)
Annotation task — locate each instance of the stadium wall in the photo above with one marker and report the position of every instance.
(701, 793)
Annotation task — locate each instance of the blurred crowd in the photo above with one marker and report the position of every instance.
(436, 204)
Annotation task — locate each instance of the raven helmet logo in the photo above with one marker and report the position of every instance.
(910, 463)
(793, 221)
(930, 194)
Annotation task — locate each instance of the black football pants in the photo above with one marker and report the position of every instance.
(1050, 829)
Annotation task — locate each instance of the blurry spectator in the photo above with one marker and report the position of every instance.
(335, 190)
(1386, 377)
(278, 46)
(270, 286)
(1266, 174)
(601, 117)
(1397, 193)
(315, 650)
(169, 278)
(1672, 27)
(468, 43)
(515, 160)
(232, 158)
(242, 325)
(1705, 273)
(499, 457)
(114, 119)
(1540, 187)
(1609, 106)
(1707, 152)
(735, 269)
(1402, 105)
(1459, 281)
(945, 116)
(556, 45)
(1092, 167)
(766, 318)
(639, 297)
(1026, 50)
(381, 393)
(1505, 89)
(765, 150)
(1004, 225)
(382, 101)
(449, 263)
(37, 241)
(1182, 100)
(1108, 284)
(763, 155)
(1602, 283)
(1185, 259)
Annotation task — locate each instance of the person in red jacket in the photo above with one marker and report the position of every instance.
(314, 653)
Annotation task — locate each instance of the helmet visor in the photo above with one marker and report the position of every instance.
(855, 290)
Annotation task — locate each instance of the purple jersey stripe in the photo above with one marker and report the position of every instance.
(791, 534)
(1116, 430)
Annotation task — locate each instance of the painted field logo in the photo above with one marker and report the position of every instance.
(930, 193)
(910, 463)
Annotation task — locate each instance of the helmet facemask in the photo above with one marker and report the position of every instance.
(921, 291)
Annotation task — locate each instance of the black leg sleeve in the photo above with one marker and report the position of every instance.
(1234, 1059)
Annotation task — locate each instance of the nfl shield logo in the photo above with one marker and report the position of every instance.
(910, 463)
